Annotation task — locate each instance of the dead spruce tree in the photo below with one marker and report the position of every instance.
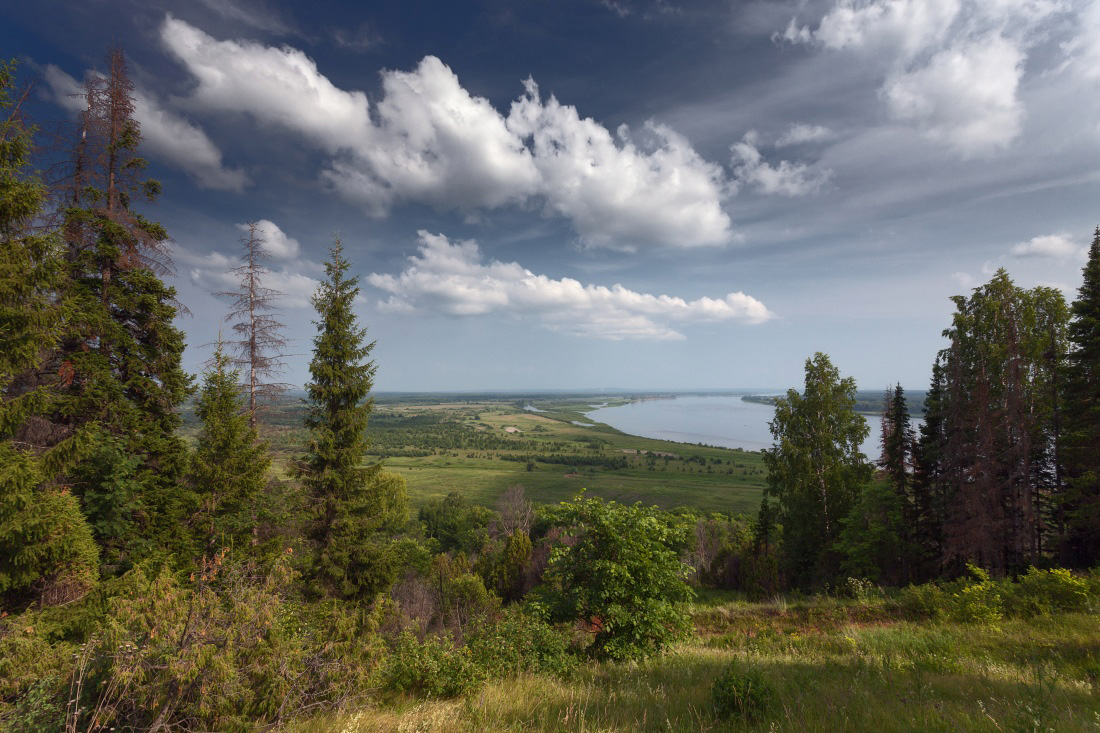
(260, 345)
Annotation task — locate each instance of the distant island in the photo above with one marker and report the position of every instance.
(867, 402)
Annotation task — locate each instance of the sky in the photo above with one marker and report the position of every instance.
(579, 194)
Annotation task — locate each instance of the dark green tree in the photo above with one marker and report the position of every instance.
(1080, 452)
(764, 526)
(353, 505)
(897, 463)
(46, 546)
(930, 487)
(230, 464)
(816, 470)
(620, 575)
(119, 362)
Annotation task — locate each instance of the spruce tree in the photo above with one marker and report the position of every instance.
(230, 464)
(351, 503)
(1080, 451)
(119, 363)
(46, 545)
(898, 441)
(930, 487)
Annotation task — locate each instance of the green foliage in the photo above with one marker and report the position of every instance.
(119, 361)
(456, 524)
(741, 693)
(354, 506)
(1044, 592)
(107, 482)
(45, 544)
(980, 599)
(518, 643)
(430, 668)
(225, 651)
(229, 467)
(815, 469)
(513, 644)
(460, 596)
(618, 573)
(1081, 449)
(873, 538)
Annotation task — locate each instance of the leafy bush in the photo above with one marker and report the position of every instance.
(620, 576)
(1042, 592)
(978, 603)
(928, 601)
(434, 667)
(517, 643)
(741, 693)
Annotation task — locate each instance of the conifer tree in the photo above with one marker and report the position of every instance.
(119, 362)
(230, 464)
(1081, 445)
(898, 441)
(930, 487)
(45, 543)
(352, 503)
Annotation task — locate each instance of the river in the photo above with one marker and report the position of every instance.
(724, 420)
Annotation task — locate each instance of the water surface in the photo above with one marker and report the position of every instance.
(723, 420)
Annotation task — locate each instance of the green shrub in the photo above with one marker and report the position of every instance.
(519, 643)
(40, 709)
(926, 601)
(620, 576)
(1042, 592)
(739, 693)
(978, 603)
(431, 668)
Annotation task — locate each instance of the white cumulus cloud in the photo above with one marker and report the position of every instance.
(165, 136)
(618, 189)
(1057, 246)
(784, 179)
(453, 278)
(965, 96)
(429, 140)
(952, 68)
(277, 243)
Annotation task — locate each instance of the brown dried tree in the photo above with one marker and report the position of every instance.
(107, 174)
(260, 345)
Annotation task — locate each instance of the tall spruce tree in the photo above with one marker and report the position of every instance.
(230, 464)
(1080, 452)
(46, 546)
(353, 504)
(119, 362)
(930, 486)
(816, 470)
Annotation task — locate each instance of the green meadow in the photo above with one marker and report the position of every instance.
(480, 447)
(833, 665)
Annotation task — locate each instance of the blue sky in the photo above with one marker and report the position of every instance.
(586, 195)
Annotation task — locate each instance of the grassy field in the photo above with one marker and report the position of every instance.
(479, 447)
(834, 666)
